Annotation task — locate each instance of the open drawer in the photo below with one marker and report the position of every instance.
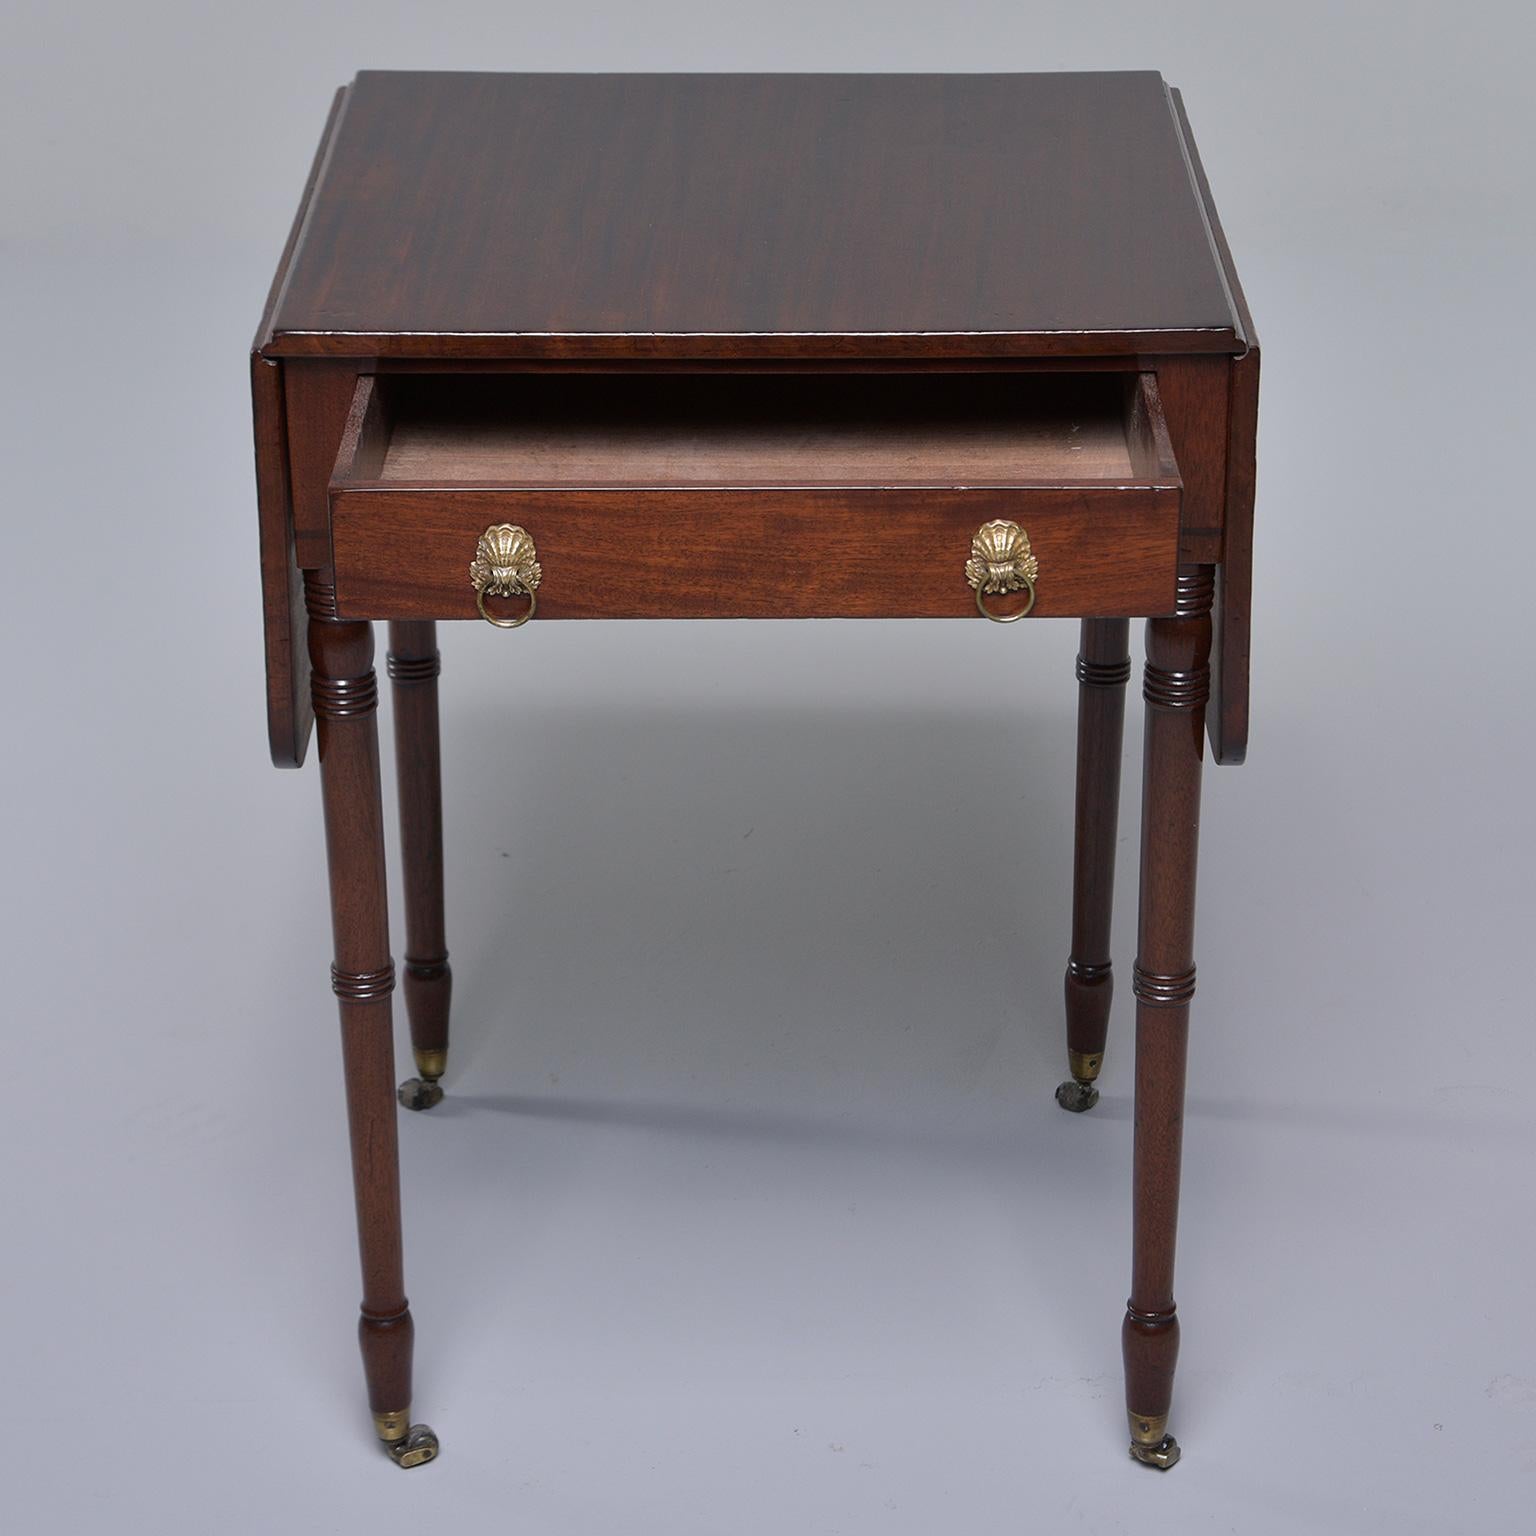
(755, 496)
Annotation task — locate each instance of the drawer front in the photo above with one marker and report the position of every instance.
(403, 551)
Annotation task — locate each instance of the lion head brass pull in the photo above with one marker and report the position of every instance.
(506, 565)
(1002, 561)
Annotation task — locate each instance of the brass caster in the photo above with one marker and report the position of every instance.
(1151, 1444)
(415, 1448)
(419, 1093)
(407, 1446)
(1076, 1097)
(1162, 1455)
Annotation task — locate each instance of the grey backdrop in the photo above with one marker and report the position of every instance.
(750, 1210)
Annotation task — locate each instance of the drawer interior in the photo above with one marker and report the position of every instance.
(639, 430)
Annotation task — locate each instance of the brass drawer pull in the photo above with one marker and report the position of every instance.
(1002, 561)
(506, 564)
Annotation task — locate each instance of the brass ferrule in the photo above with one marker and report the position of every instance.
(431, 1064)
(1151, 1444)
(392, 1426)
(1084, 1065)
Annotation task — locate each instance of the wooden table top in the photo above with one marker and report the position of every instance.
(741, 216)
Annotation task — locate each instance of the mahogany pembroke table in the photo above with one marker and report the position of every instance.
(757, 346)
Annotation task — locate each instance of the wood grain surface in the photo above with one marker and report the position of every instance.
(686, 216)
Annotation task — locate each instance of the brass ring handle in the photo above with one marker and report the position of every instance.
(1002, 561)
(506, 564)
(999, 618)
(518, 622)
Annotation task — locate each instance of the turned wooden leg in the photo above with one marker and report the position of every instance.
(1177, 683)
(346, 705)
(413, 669)
(1103, 665)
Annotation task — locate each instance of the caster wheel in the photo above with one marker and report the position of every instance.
(1076, 1097)
(415, 1093)
(1161, 1455)
(416, 1449)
